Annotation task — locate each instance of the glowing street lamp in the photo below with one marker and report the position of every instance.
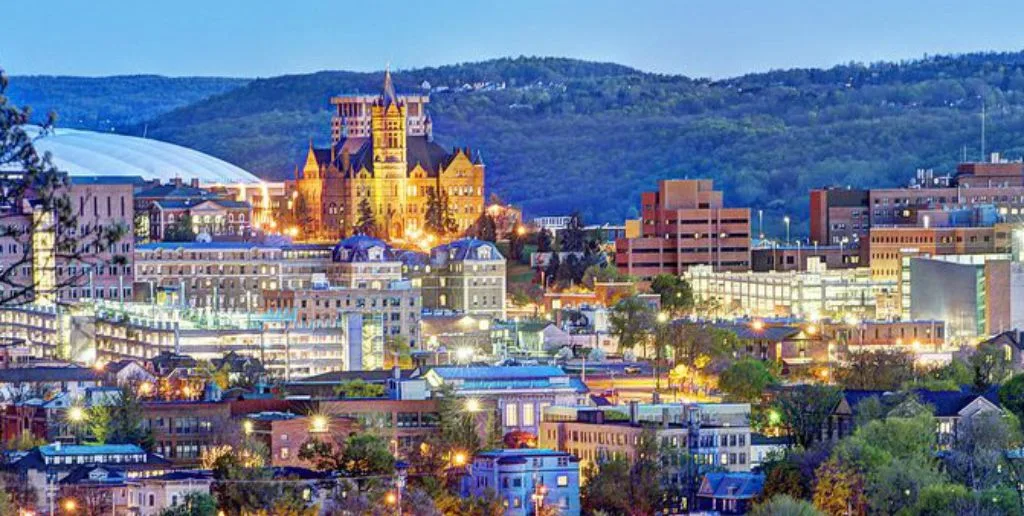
(786, 221)
(757, 325)
(464, 354)
(247, 426)
(76, 414)
(472, 405)
(662, 317)
(318, 424)
(459, 459)
(70, 505)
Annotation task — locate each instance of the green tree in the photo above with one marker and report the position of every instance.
(676, 294)
(1011, 395)
(544, 241)
(24, 441)
(631, 320)
(992, 365)
(602, 274)
(785, 505)
(976, 457)
(359, 388)
(746, 380)
(876, 370)
(181, 230)
(195, 504)
(804, 410)
(366, 224)
(618, 487)
(574, 237)
(484, 228)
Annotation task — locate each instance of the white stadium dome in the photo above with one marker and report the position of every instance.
(89, 153)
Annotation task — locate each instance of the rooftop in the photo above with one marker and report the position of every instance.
(87, 153)
(89, 449)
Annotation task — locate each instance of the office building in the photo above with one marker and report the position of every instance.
(685, 223)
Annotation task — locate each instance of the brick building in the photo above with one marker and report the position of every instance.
(685, 223)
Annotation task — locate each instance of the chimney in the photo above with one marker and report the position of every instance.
(634, 412)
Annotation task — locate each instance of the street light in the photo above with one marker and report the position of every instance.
(318, 424)
(472, 405)
(70, 505)
(459, 459)
(76, 414)
(786, 221)
(464, 354)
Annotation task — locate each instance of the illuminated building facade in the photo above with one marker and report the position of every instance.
(683, 224)
(382, 152)
(816, 292)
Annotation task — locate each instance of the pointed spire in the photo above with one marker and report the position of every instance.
(389, 87)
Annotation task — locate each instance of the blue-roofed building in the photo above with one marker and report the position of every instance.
(520, 393)
(466, 276)
(526, 480)
(729, 493)
(363, 261)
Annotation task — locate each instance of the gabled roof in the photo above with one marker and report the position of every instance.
(104, 475)
(739, 486)
(945, 403)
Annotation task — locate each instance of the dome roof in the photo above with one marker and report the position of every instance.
(88, 153)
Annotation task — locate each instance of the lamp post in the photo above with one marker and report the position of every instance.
(401, 469)
(760, 224)
(786, 221)
(538, 497)
(662, 320)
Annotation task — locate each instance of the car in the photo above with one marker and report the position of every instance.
(631, 370)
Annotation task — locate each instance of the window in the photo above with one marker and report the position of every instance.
(528, 414)
(284, 453)
(563, 481)
(511, 415)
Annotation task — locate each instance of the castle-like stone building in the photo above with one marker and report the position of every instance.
(382, 150)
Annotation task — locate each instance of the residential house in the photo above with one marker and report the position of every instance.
(526, 480)
(729, 493)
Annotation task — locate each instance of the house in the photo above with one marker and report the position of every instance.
(101, 488)
(526, 480)
(168, 364)
(519, 393)
(763, 447)
(153, 495)
(949, 409)
(52, 463)
(284, 433)
(40, 418)
(128, 372)
(729, 493)
(30, 382)
(241, 369)
(795, 347)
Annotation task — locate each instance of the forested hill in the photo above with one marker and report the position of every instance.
(559, 134)
(113, 103)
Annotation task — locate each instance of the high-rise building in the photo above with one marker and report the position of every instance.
(383, 153)
(685, 223)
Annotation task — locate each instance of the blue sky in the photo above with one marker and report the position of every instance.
(698, 38)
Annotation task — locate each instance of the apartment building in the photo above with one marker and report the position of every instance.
(685, 223)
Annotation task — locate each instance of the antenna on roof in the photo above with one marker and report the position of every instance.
(145, 130)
